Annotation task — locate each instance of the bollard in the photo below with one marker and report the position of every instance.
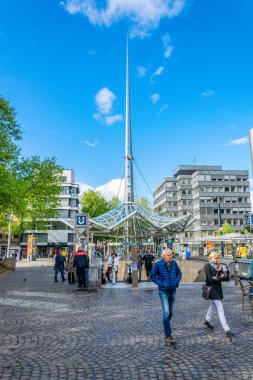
(236, 273)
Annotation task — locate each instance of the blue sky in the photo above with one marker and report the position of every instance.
(62, 66)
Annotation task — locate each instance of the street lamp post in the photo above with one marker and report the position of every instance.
(9, 217)
(220, 223)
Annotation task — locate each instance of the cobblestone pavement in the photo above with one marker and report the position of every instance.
(53, 331)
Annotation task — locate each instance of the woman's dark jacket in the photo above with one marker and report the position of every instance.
(216, 291)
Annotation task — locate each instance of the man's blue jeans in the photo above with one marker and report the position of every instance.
(168, 300)
(57, 270)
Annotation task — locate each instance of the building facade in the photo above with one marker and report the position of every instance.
(60, 229)
(213, 196)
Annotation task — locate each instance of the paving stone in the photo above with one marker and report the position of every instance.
(51, 331)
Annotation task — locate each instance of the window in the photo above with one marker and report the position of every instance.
(65, 190)
(226, 189)
(70, 237)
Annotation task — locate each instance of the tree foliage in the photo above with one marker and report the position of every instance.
(144, 202)
(95, 204)
(226, 229)
(30, 187)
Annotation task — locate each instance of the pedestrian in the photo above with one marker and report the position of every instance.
(113, 262)
(139, 266)
(81, 263)
(148, 260)
(70, 269)
(251, 277)
(59, 265)
(214, 276)
(167, 275)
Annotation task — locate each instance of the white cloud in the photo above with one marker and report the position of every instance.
(97, 117)
(158, 72)
(208, 93)
(109, 120)
(141, 71)
(115, 187)
(168, 48)
(163, 108)
(154, 98)
(144, 15)
(240, 141)
(92, 144)
(92, 52)
(104, 100)
(84, 187)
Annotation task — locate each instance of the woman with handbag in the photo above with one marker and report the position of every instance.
(214, 276)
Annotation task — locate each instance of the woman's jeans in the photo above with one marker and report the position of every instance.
(168, 300)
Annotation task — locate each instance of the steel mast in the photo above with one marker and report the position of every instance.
(129, 186)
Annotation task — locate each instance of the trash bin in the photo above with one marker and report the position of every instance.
(188, 255)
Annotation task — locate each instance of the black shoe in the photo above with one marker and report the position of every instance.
(229, 334)
(79, 286)
(170, 316)
(55, 280)
(208, 324)
(170, 340)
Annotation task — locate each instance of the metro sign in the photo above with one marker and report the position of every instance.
(81, 220)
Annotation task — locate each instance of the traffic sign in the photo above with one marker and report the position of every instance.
(81, 220)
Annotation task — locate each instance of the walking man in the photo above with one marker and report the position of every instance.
(59, 262)
(148, 259)
(167, 275)
(81, 263)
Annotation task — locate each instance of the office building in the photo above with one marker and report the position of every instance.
(210, 193)
(59, 233)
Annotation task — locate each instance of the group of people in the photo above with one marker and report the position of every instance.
(148, 259)
(113, 265)
(78, 263)
(167, 275)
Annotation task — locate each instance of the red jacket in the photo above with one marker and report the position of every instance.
(81, 260)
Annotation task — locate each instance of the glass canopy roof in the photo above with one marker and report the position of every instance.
(139, 222)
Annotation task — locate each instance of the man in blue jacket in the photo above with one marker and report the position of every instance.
(167, 275)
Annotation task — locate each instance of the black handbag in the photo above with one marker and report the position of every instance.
(206, 291)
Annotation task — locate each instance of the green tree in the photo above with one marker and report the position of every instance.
(245, 231)
(39, 184)
(30, 187)
(226, 229)
(10, 133)
(93, 203)
(144, 202)
(114, 202)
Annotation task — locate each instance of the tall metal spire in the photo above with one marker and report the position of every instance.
(129, 187)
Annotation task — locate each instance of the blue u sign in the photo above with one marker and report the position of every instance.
(81, 220)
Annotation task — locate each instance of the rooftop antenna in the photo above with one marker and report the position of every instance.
(129, 186)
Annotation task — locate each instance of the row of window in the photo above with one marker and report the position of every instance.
(213, 211)
(221, 189)
(43, 238)
(67, 190)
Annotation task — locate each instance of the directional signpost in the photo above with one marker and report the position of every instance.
(82, 225)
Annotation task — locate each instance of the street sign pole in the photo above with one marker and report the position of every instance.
(82, 225)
